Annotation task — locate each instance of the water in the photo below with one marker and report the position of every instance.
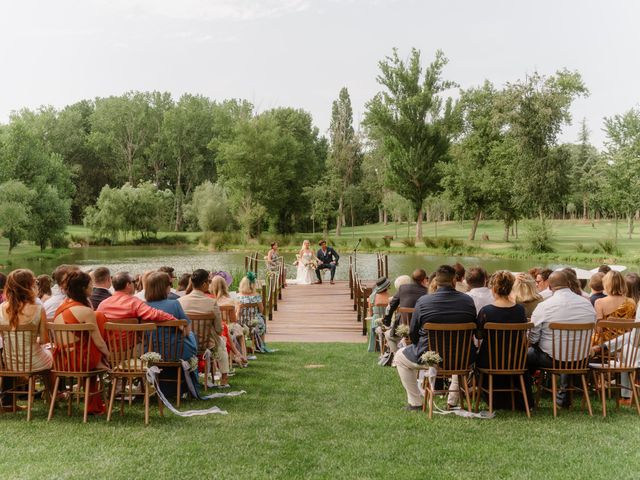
(139, 259)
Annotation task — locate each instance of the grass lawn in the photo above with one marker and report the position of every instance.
(343, 420)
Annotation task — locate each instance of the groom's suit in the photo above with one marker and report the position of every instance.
(326, 257)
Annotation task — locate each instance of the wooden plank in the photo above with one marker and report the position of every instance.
(315, 314)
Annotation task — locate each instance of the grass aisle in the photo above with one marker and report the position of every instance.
(303, 420)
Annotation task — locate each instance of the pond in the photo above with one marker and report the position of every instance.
(139, 259)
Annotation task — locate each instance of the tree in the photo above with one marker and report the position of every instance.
(50, 215)
(412, 125)
(344, 158)
(15, 210)
(210, 207)
(584, 167)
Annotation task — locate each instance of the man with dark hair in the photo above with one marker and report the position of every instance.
(542, 283)
(101, 285)
(173, 294)
(123, 304)
(477, 279)
(604, 269)
(446, 305)
(460, 272)
(328, 259)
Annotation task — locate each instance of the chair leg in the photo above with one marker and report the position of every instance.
(146, 401)
(554, 392)
(122, 395)
(130, 391)
(523, 388)
(178, 386)
(478, 392)
(207, 368)
(85, 416)
(634, 390)
(513, 393)
(54, 394)
(490, 393)
(585, 391)
(112, 397)
(465, 383)
(70, 400)
(32, 381)
(603, 395)
(160, 405)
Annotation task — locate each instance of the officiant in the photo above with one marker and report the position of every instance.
(328, 258)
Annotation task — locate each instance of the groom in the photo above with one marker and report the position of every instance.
(328, 259)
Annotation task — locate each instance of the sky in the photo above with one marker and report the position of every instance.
(300, 53)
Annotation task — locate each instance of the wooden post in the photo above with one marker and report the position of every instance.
(386, 265)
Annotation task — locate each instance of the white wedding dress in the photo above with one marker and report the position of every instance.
(306, 273)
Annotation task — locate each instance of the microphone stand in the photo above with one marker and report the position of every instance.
(355, 256)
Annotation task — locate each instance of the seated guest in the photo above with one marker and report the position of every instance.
(476, 279)
(542, 283)
(197, 301)
(574, 283)
(534, 272)
(378, 302)
(157, 291)
(77, 309)
(460, 285)
(408, 291)
(233, 333)
(3, 281)
(101, 286)
(597, 288)
(502, 310)
(446, 305)
(247, 294)
(604, 269)
(142, 284)
(183, 283)
(173, 295)
(633, 286)
(433, 285)
(615, 304)
(44, 287)
(524, 293)
(59, 294)
(123, 304)
(564, 306)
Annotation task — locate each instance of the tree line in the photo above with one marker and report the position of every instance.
(426, 150)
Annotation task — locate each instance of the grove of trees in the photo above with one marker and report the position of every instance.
(426, 151)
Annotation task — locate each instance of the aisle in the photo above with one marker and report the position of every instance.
(316, 314)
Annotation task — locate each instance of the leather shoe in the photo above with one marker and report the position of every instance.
(412, 408)
(318, 282)
(332, 282)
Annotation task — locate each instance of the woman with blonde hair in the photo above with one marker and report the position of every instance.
(307, 262)
(233, 332)
(525, 293)
(247, 294)
(616, 304)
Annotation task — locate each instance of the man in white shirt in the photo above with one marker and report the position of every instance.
(542, 283)
(564, 306)
(477, 278)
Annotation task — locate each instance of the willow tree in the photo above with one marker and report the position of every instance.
(411, 122)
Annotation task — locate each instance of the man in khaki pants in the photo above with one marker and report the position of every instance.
(197, 302)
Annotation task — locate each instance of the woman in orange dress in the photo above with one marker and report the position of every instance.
(77, 309)
(615, 306)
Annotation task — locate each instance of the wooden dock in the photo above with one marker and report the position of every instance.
(315, 314)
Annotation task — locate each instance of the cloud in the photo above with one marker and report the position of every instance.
(210, 9)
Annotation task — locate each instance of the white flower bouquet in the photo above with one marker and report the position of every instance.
(193, 364)
(150, 358)
(430, 358)
(402, 330)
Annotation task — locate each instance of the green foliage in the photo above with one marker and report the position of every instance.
(446, 243)
(50, 215)
(15, 210)
(221, 240)
(409, 242)
(369, 243)
(539, 237)
(210, 207)
(608, 246)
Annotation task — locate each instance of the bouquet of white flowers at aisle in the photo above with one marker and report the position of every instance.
(150, 358)
(402, 331)
(430, 359)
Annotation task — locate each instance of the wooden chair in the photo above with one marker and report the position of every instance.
(71, 359)
(202, 326)
(247, 313)
(453, 342)
(507, 346)
(404, 314)
(621, 357)
(574, 338)
(127, 343)
(17, 362)
(168, 341)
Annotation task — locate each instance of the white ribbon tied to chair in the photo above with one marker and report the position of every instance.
(194, 391)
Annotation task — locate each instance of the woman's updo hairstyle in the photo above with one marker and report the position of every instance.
(501, 283)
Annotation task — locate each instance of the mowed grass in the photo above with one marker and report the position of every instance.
(341, 419)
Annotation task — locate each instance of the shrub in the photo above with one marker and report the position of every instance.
(580, 248)
(60, 241)
(409, 242)
(608, 246)
(220, 240)
(387, 240)
(446, 243)
(430, 242)
(539, 237)
(369, 243)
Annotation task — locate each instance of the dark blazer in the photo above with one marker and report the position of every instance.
(98, 295)
(446, 305)
(330, 256)
(406, 297)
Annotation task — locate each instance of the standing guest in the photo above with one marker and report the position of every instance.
(233, 333)
(542, 283)
(123, 304)
(3, 281)
(197, 301)
(59, 294)
(524, 293)
(502, 310)
(77, 309)
(183, 283)
(378, 302)
(446, 305)
(597, 288)
(274, 260)
(101, 286)
(328, 258)
(564, 306)
(44, 287)
(157, 291)
(173, 294)
(460, 285)
(633, 286)
(476, 279)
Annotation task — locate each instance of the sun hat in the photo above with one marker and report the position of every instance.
(227, 276)
(382, 284)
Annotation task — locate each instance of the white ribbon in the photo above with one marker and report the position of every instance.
(194, 391)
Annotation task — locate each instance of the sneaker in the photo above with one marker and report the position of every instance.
(252, 357)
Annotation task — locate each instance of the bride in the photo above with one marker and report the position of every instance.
(307, 263)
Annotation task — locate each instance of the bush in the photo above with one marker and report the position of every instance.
(539, 237)
(387, 240)
(580, 248)
(60, 241)
(166, 240)
(446, 243)
(608, 246)
(409, 242)
(369, 243)
(220, 240)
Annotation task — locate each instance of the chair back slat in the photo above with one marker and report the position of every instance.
(507, 345)
(202, 326)
(17, 351)
(168, 340)
(248, 312)
(570, 345)
(453, 342)
(72, 347)
(228, 313)
(623, 349)
(405, 314)
(127, 343)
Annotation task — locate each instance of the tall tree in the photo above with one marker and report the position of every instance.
(15, 210)
(584, 169)
(345, 158)
(412, 124)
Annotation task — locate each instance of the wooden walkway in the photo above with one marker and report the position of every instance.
(315, 314)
